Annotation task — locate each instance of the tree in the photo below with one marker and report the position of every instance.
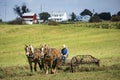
(118, 14)
(73, 16)
(116, 17)
(105, 15)
(44, 16)
(95, 18)
(0, 20)
(24, 9)
(86, 12)
(21, 10)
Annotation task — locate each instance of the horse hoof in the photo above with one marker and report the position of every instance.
(52, 72)
(46, 73)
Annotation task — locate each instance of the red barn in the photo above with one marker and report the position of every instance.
(29, 18)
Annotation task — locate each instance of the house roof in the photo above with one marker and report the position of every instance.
(58, 13)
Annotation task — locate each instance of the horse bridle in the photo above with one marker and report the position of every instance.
(29, 51)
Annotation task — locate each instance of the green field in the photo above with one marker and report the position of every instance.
(80, 39)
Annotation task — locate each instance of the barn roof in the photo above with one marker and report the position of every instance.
(28, 14)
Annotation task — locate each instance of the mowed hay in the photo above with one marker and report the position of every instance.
(17, 71)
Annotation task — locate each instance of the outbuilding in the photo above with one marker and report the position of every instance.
(85, 18)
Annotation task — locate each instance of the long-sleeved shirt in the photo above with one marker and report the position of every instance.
(64, 51)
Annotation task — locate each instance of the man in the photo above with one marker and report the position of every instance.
(64, 53)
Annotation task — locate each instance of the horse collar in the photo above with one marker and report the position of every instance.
(30, 56)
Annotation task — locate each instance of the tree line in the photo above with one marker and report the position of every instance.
(98, 17)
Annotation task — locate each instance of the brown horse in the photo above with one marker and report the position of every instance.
(51, 58)
(34, 55)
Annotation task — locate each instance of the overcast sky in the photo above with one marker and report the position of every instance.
(69, 6)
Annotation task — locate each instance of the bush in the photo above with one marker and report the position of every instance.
(117, 25)
(104, 25)
(115, 18)
(95, 19)
(52, 23)
(16, 21)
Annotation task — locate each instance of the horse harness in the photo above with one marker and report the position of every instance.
(50, 53)
(32, 55)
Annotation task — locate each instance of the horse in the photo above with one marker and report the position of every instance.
(51, 58)
(34, 55)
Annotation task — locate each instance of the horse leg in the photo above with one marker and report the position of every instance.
(51, 67)
(30, 63)
(56, 66)
(46, 66)
(35, 66)
(40, 66)
(42, 63)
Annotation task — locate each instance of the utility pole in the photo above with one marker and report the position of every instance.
(5, 6)
(93, 10)
(2, 10)
(41, 8)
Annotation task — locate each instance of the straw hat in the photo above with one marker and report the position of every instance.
(64, 46)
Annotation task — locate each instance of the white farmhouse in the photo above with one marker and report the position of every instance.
(29, 18)
(58, 16)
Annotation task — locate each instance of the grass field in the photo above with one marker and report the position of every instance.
(103, 44)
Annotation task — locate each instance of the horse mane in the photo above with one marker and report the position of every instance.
(32, 49)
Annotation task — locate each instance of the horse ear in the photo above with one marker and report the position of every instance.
(26, 45)
(30, 45)
(46, 45)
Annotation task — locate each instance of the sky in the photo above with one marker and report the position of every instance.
(77, 6)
